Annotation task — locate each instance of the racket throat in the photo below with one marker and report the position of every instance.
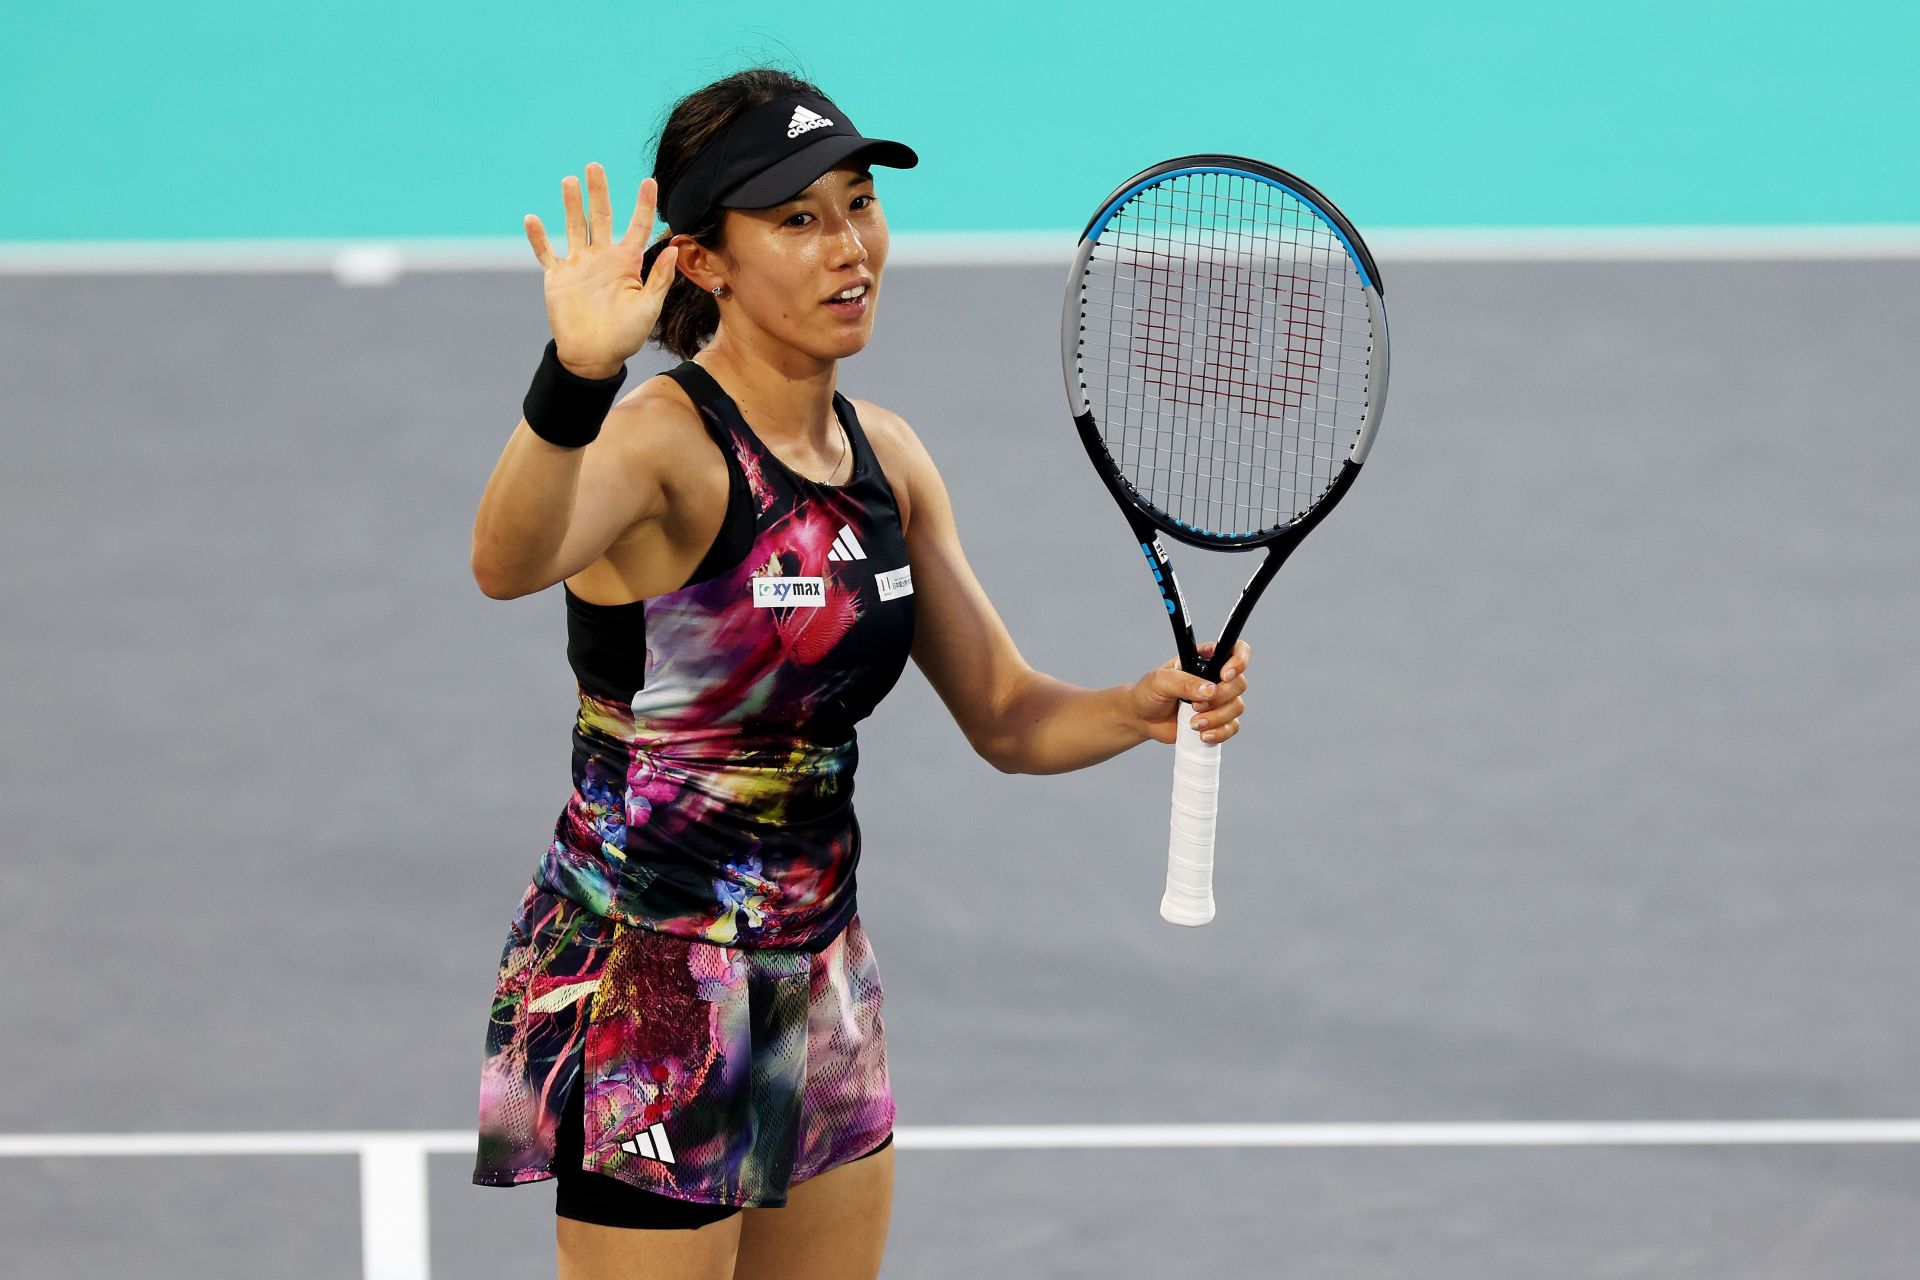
(1242, 610)
(1176, 604)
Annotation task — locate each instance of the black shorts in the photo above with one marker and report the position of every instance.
(594, 1197)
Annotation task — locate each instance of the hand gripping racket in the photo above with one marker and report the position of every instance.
(1225, 348)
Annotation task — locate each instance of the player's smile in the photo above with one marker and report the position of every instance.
(851, 302)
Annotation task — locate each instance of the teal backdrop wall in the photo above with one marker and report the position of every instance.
(222, 120)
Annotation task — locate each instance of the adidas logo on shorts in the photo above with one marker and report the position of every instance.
(846, 546)
(804, 120)
(651, 1143)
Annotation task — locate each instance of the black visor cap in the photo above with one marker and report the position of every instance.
(770, 155)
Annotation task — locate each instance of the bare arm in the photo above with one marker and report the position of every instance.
(549, 510)
(1018, 719)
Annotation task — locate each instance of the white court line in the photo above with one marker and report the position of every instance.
(376, 262)
(1051, 1137)
(1644, 244)
(1563, 1133)
(393, 1163)
(382, 261)
(393, 1210)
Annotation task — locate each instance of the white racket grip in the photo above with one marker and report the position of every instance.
(1196, 799)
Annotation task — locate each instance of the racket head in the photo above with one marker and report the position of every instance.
(1224, 344)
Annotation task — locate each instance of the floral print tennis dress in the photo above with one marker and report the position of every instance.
(688, 951)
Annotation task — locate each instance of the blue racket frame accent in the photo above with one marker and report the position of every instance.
(1304, 194)
(1220, 162)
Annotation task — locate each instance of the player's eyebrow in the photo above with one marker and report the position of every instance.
(865, 175)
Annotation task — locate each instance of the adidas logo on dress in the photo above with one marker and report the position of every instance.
(651, 1143)
(804, 120)
(846, 546)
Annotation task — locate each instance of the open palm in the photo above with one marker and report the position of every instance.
(600, 308)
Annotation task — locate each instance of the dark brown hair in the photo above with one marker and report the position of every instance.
(689, 316)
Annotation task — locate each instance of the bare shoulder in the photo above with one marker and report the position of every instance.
(889, 432)
(655, 429)
(657, 410)
(908, 466)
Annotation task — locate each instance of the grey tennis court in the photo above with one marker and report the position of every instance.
(1566, 860)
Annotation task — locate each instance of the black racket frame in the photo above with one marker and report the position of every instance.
(1145, 519)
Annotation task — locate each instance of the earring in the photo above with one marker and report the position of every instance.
(717, 288)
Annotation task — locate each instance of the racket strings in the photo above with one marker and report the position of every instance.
(1224, 350)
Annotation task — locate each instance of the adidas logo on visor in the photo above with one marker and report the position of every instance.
(804, 120)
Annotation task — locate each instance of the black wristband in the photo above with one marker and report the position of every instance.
(564, 408)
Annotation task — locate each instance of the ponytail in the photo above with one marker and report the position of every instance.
(689, 316)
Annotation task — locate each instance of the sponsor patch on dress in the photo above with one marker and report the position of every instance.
(895, 582)
(789, 593)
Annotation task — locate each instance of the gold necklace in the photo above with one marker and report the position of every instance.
(844, 442)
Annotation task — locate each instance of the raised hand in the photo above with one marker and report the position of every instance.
(601, 310)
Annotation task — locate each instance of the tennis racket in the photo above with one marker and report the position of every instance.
(1225, 348)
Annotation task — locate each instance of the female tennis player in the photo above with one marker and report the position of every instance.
(686, 1031)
